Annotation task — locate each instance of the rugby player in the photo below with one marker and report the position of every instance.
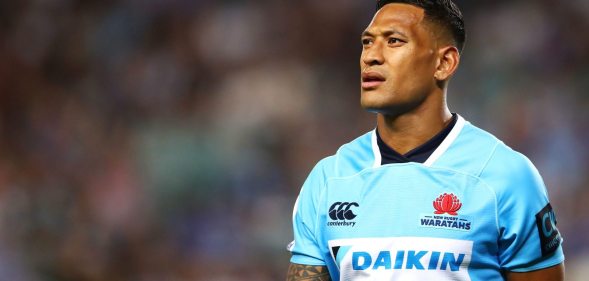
(426, 195)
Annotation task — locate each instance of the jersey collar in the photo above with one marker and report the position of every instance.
(426, 153)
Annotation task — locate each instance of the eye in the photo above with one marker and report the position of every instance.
(395, 41)
(366, 41)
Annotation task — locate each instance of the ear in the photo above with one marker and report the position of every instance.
(448, 60)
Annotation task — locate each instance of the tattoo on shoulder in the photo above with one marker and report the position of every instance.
(301, 272)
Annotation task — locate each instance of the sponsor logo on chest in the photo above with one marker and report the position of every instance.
(417, 260)
(402, 258)
(446, 214)
(342, 214)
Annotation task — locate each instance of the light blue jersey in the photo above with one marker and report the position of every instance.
(474, 209)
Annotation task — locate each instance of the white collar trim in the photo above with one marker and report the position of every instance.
(447, 141)
(460, 122)
(376, 151)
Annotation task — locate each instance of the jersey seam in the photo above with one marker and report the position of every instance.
(538, 267)
(368, 169)
(485, 184)
(489, 158)
(485, 165)
(320, 201)
(400, 164)
(496, 203)
(310, 263)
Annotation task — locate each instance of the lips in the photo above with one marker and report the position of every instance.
(371, 80)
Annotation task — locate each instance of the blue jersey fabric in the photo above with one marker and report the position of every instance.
(473, 209)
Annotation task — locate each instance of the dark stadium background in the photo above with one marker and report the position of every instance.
(167, 139)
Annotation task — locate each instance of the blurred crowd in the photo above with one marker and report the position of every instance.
(168, 139)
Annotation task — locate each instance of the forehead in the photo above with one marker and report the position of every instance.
(407, 18)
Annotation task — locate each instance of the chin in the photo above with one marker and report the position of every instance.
(388, 107)
(374, 100)
(374, 107)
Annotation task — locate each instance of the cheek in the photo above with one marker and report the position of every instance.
(413, 77)
(422, 69)
(423, 61)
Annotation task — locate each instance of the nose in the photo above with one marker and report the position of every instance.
(372, 55)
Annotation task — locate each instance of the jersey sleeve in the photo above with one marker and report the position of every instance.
(305, 248)
(528, 237)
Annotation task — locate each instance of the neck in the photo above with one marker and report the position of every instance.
(409, 130)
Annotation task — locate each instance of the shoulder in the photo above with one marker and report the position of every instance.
(469, 149)
(509, 171)
(349, 159)
(479, 153)
(507, 161)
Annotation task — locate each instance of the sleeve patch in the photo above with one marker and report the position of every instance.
(549, 236)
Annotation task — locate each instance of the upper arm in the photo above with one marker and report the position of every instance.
(302, 272)
(528, 237)
(306, 247)
(554, 273)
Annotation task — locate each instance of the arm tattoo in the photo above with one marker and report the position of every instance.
(301, 272)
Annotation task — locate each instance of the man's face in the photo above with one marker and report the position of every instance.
(398, 60)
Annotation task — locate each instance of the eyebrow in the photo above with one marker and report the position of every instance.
(386, 33)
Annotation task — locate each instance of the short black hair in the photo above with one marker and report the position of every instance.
(443, 12)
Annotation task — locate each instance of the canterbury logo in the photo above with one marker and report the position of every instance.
(342, 210)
